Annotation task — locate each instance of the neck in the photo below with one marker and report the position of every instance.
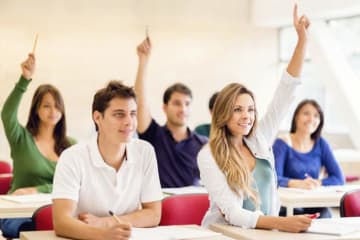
(301, 137)
(45, 132)
(113, 154)
(178, 132)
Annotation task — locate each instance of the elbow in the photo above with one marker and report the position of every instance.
(156, 217)
(59, 226)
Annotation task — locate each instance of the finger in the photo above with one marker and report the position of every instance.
(148, 41)
(295, 14)
(125, 226)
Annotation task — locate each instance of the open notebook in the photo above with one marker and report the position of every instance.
(170, 233)
(324, 226)
(32, 198)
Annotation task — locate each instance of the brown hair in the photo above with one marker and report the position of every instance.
(61, 141)
(114, 89)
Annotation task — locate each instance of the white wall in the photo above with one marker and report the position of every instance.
(84, 44)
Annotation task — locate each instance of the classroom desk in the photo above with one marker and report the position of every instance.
(10, 209)
(293, 199)
(256, 234)
(50, 235)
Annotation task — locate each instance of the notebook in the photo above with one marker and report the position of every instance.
(324, 226)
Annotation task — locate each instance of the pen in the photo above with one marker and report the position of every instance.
(116, 218)
(314, 216)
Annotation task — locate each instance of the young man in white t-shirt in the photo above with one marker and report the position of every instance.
(111, 172)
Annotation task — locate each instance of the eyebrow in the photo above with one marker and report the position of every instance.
(122, 111)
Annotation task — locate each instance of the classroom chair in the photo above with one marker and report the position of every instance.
(42, 218)
(184, 209)
(350, 204)
(5, 167)
(5, 183)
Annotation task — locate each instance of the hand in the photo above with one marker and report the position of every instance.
(96, 221)
(307, 183)
(25, 191)
(120, 231)
(144, 50)
(28, 67)
(295, 224)
(301, 24)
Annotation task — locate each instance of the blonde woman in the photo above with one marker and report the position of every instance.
(237, 166)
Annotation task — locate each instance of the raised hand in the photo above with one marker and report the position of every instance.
(28, 67)
(301, 24)
(144, 50)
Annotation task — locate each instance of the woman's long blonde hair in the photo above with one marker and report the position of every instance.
(227, 157)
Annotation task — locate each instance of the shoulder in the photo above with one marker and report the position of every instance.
(76, 151)
(205, 156)
(202, 139)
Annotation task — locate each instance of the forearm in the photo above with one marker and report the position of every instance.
(270, 222)
(76, 229)
(296, 63)
(143, 218)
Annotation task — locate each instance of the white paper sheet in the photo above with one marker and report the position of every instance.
(170, 233)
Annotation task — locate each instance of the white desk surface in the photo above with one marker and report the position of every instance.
(50, 235)
(257, 234)
(10, 209)
(293, 199)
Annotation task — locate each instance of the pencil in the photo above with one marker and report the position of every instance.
(35, 43)
(116, 218)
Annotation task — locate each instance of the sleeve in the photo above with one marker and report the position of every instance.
(67, 178)
(278, 108)
(229, 203)
(335, 175)
(9, 113)
(44, 188)
(150, 132)
(281, 157)
(151, 189)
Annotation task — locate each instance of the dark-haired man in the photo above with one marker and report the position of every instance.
(176, 146)
(111, 172)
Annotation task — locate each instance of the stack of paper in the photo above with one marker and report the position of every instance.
(32, 198)
(170, 233)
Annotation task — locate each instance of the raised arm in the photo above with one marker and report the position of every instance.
(144, 115)
(9, 113)
(301, 26)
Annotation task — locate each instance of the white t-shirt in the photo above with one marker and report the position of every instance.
(83, 176)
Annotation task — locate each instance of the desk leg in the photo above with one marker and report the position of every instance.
(289, 211)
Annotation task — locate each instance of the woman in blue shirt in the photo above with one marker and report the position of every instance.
(301, 155)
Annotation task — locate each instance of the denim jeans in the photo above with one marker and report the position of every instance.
(11, 227)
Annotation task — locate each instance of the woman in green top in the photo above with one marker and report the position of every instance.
(35, 148)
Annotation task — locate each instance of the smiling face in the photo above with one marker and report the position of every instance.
(118, 122)
(177, 109)
(243, 116)
(308, 119)
(48, 111)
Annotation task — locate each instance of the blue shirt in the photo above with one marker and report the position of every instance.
(291, 164)
(177, 161)
(263, 177)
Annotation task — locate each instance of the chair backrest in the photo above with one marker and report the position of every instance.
(5, 182)
(42, 218)
(350, 204)
(5, 167)
(184, 209)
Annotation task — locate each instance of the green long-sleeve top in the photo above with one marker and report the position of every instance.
(30, 167)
